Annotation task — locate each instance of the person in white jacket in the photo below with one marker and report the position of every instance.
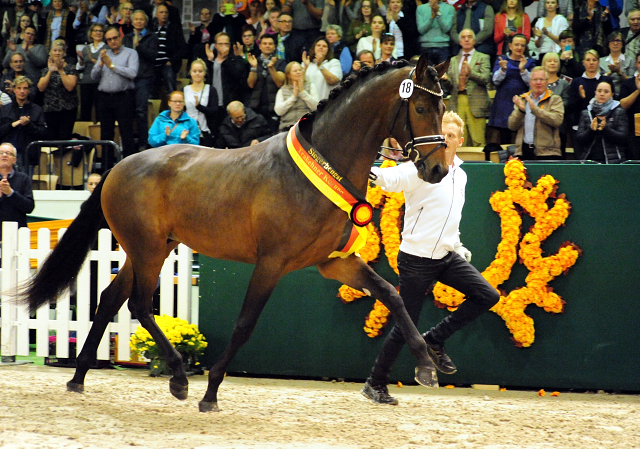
(431, 251)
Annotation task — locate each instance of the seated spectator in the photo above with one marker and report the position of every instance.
(364, 58)
(603, 128)
(201, 101)
(480, 16)
(60, 24)
(86, 60)
(511, 77)
(15, 189)
(296, 98)
(616, 65)
(510, 20)
(174, 125)
(92, 181)
(404, 29)
(145, 43)
(321, 68)
(629, 93)
(561, 87)
(570, 66)
(536, 117)
(171, 49)
(266, 76)
(387, 48)
(548, 29)
(35, 55)
(200, 35)
(372, 42)
(17, 65)
(340, 50)
(21, 123)
(435, 19)
(58, 83)
(360, 27)
(591, 25)
(242, 127)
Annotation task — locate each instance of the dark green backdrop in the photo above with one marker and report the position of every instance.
(306, 331)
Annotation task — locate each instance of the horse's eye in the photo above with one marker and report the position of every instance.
(420, 110)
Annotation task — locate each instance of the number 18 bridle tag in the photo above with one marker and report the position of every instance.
(406, 89)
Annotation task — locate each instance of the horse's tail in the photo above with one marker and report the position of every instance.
(63, 264)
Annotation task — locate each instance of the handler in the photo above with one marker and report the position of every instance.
(431, 251)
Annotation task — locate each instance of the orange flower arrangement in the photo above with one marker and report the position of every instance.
(542, 270)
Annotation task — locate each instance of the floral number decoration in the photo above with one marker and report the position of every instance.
(511, 308)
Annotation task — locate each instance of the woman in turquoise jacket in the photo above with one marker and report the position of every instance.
(174, 125)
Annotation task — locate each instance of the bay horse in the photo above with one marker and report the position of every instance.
(253, 205)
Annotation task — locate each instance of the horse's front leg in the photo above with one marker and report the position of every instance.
(355, 273)
(263, 280)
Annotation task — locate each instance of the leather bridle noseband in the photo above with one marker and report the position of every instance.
(409, 151)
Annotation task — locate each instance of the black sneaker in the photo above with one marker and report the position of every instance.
(439, 357)
(378, 394)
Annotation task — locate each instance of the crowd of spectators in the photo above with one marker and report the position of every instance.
(255, 72)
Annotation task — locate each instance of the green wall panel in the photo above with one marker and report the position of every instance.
(306, 331)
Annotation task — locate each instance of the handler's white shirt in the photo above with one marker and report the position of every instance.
(432, 211)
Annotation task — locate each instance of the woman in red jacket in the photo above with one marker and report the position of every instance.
(509, 21)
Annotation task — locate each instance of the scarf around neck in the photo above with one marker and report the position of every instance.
(602, 109)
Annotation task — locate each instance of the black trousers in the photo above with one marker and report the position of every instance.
(118, 107)
(416, 276)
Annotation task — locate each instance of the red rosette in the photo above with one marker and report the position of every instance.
(361, 213)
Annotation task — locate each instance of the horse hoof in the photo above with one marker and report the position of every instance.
(427, 376)
(74, 387)
(179, 391)
(208, 406)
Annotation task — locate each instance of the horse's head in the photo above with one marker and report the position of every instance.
(422, 97)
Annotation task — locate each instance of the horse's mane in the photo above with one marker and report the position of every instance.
(365, 74)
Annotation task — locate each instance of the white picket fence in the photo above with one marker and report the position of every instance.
(15, 321)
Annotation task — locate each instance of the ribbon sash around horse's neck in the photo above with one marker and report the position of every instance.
(336, 188)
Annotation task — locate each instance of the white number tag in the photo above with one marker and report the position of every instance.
(406, 89)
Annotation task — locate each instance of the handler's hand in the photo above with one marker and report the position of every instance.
(462, 252)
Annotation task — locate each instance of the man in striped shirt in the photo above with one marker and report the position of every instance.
(171, 49)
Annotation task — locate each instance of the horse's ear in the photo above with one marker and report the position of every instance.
(443, 67)
(421, 68)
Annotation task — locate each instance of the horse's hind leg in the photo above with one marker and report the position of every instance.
(263, 280)
(140, 302)
(355, 273)
(111, 300)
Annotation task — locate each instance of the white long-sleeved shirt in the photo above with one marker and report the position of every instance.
(432, 211)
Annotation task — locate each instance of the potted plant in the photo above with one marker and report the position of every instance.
(185, 337)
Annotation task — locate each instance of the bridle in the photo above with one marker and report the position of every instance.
(409, 152)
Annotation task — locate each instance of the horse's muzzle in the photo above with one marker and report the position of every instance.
(431, 175)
